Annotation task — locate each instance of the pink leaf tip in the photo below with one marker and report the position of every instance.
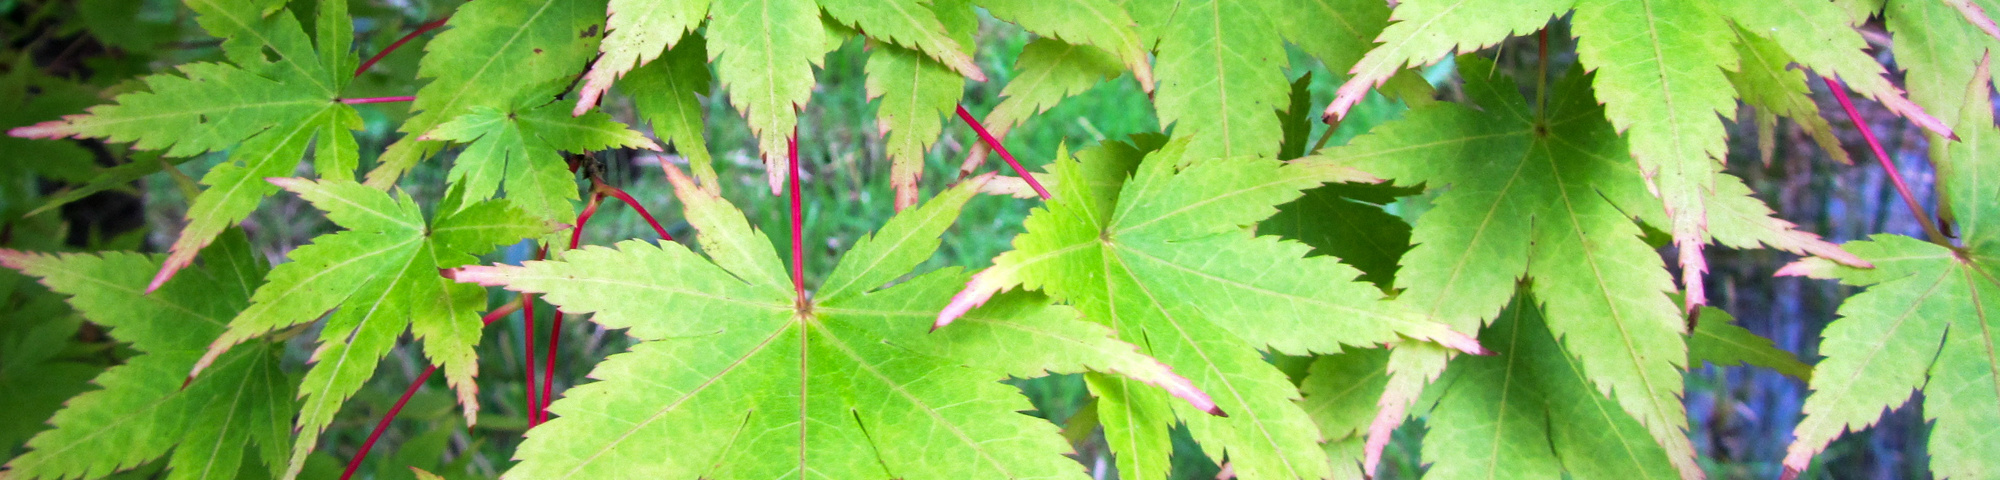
(179, 259)
(48, 130)
(484, 275)
(976, 293)
(286, 183)
(15, 259)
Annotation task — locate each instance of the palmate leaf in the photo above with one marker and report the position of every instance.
(916, 93)
(1927, 320)
(142, 409)
(277, 95)
(1563, 171)
(491, 54)
(382, 275)
(521, 148)
(736, 377)
(1163, 259)
(764, 51)
(1660, 67)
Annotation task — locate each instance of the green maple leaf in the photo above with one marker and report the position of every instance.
(1660, 66)
(1562, 169)
(1765, 80)
(278, 94)
(1927, 320)
(1937, 44)
(1163, 258)
(916, 93)
(1719, 341)
(1097, 23)
(491, 54)
(382, 275)
(521, 147)
(142, 409)
(1222, 76)
(764, 51)
(738, 377)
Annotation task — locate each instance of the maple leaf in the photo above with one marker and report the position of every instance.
(277, 95)
(382, 275)
(1937, 43)
(764, 51)
(1563, 166)
(1719, 341)
(1222, 77)
(1661, 75)
(142, 410)
(490, 54)
(916, 93)
(739, 377)
(1164, 259)
(1046, 72)
(1765, 80)
(521, 147)
(1926, 321)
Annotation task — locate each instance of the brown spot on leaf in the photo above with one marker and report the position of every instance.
(538, 51)
(589, 32)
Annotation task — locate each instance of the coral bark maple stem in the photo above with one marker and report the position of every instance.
(798, 223)
(533, 403)
(615, 192)
(383, 426)
(1882, 157)
(433, 25)
(994, 143)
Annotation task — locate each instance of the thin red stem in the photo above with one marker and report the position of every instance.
(528, 350)
(606, 189)
(994, 143)
(433, 25)
(798, 224)
(555, 327)
(354, 464)
(1882, 157)
(358, 101)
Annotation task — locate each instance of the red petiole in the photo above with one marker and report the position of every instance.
(994, 143)
(433, 25)
(1882, 157)
(798, 222)
(358, 101)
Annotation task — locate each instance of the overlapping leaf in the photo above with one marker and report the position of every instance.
(521, 148)
(276, 96)
(382, 276)
(1163, 258)
(1660, 67)
(1927, 321)
(491, 54)
(665, 94)
(1547, 195)
(142, 409)
(737, 377)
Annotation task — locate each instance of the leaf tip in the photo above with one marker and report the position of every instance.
(15, 259)
(179, 259)
(49, 130)
(483, 275)
(976, 293)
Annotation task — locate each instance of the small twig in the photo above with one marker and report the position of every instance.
(606, 189)
(555, 327)
(433, 25)
(994, 143)
(528, 350)
(1882, 157)
(354, 464)
(358, 101)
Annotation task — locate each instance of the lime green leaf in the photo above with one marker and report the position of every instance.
(916, 93)
(1222, 78)
(521, 149)
(382, 275)
(912, 24)
(665, 94)
(142, 409)
(1939, 50)
(1163, 259)
(1096, 23)
(1926, 320)
(1346, 221)
(1047, 72)
(1604, 288)
(742, 379)
(491, 54)
(1340, 393)
(1718, 340)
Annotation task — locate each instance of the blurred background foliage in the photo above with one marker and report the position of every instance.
(61, 56)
